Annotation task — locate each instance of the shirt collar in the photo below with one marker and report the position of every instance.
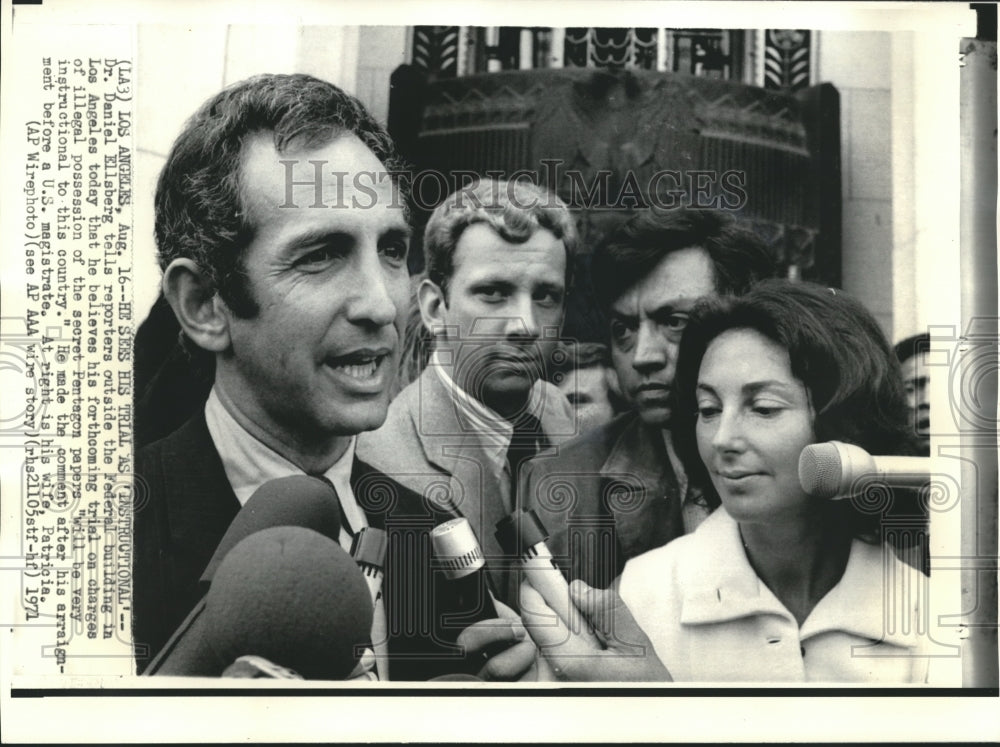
(249, 463)
(874, 598)
(492, 430)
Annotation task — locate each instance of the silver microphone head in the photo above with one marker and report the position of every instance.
(832, 469)
(821, 470)
(456, 548)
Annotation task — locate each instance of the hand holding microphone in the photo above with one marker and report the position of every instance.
(522, 534)
(457, 554)
(495, 642)
(617, 651)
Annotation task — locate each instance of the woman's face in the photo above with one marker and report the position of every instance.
(754, 419)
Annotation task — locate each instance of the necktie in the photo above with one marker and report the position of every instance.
(345, 525)
(527, 440)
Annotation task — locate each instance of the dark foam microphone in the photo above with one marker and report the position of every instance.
(294, 501)
(838, 470)
(295, 598)
(460, 560)
(298, 500)
(523, 534)
(289, 595)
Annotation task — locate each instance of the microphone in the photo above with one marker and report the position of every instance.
(523, 534)
(288, 595)
(298, 500)
(368, 550)
(461, 561)
(293, 501)
(295, 598)
(838, 470)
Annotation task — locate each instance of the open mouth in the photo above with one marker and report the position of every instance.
(361, 365)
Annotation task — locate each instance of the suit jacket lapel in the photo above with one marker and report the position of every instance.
(454, 448)
(640, 490)
(202, 504)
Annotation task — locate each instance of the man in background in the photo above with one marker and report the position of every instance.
(498, 257)
(583, 372)
(620, 490)
(912, 355)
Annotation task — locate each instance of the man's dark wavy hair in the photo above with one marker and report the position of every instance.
(201, 213)
(630, 252)
(836, 349)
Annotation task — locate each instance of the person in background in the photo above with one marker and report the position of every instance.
(774, 586)
(583, 372)
(498, 270)
(912, 354)
(620, 490)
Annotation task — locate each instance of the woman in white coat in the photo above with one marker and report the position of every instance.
(775, 586)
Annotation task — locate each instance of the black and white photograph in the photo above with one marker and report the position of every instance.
(628, 367)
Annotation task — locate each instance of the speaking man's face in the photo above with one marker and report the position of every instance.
(647, 321)
(331, 284)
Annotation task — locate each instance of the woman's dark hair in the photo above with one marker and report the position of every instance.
(836, 349)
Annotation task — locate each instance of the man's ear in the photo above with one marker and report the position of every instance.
(433, 305)
(201, 313)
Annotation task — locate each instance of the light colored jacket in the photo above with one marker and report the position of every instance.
(711, 619)
(427, 446)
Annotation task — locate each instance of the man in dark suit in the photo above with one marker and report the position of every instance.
(283, 238)
(620, 490)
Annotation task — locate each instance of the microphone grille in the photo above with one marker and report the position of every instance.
(820, 470)
(456, 548)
